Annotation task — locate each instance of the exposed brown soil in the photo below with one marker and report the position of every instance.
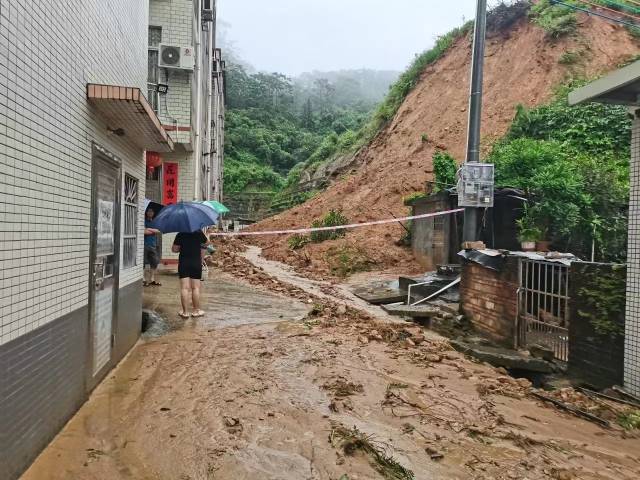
(521, 68)
(340, 394)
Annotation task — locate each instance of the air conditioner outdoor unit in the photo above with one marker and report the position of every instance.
(178, 57)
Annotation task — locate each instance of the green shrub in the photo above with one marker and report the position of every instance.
(630, 420)
(332, 219)
(569, 58)
(346, 260)
(244, 174)
(573, 163)
(556, 20)
(296, 241)
(412, 197)
(445, 169)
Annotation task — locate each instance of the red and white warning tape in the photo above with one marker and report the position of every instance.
(340, 227)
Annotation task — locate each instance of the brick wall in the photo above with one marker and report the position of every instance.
(632, 328)
(49, 51)
(488, 299)
(596, 353)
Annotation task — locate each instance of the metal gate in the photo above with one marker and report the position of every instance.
(543, 306)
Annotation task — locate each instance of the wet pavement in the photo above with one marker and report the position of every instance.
(251, 392)
(226, 301)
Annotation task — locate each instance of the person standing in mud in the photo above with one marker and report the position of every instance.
(189, 246)
(151, 257)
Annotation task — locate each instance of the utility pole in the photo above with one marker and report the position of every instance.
(475, 111)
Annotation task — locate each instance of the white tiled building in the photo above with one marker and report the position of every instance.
(74, 128)
(622, 87)
(194, 98)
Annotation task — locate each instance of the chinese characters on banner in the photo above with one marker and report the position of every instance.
(170, 183)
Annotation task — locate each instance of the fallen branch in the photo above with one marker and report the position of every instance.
(572, 409)
(592, 393)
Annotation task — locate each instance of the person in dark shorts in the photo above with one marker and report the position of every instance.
(190, 246)
(151, 257)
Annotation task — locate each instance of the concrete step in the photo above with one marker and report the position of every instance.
(380, 295)
(504, 357)
(418, 311)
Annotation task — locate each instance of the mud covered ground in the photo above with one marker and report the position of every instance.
(290, 379)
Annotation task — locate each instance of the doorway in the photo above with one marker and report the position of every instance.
(104, 267)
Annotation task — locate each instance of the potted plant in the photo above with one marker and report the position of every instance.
(528, 232)
(541, 244)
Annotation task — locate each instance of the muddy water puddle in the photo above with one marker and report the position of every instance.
(227, 303)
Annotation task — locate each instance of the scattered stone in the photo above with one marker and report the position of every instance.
(524, 382)
(231, 421)
(409, 342)
(165, 409)
(418, 338)
(541, 351)
(433, 358)
(433, 453)
(341, 310)
(363, 339)
(375, 335)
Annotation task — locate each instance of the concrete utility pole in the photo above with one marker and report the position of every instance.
(475, 111)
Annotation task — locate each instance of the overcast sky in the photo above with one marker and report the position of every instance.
(295, 36)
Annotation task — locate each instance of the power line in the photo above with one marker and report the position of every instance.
(591, 12)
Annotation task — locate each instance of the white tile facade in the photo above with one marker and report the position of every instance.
(632, 321)
(175, 17)
(49, 51)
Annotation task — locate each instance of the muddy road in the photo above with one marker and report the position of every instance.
(292, 383)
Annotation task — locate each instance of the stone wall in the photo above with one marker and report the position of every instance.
(488, 298)
(596, 323)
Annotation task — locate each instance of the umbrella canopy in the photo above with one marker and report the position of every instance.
(155, 206)
(217, 206)
(185, 217)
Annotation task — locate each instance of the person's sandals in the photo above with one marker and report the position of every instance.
(155, 284)
(198, 314)
(183, 315)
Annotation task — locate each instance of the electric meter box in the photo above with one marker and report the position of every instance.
(475, 185)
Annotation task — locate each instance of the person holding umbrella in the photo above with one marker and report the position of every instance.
(151, 257)
(189, 246)
(188, 219)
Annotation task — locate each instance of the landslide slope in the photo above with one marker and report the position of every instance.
(521, 67)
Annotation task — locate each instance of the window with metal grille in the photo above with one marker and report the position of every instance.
(155, 36)
(130, 237)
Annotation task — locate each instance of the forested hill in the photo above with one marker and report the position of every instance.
(275, 122)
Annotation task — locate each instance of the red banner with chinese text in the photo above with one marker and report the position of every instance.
(169, 183)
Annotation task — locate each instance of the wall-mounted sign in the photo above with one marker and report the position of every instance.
(169, 183)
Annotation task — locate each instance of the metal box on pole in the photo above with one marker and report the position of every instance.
(475, 185)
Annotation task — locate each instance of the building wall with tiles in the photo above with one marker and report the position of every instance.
(632, 321)
(185, 190)
(176, 20)
(46, 133)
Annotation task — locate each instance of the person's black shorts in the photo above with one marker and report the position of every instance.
(190, 269)
(151, 257)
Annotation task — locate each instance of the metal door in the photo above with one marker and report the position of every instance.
(104, 258)
(543, 306)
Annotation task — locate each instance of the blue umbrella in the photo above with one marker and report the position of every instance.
(185, 217)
